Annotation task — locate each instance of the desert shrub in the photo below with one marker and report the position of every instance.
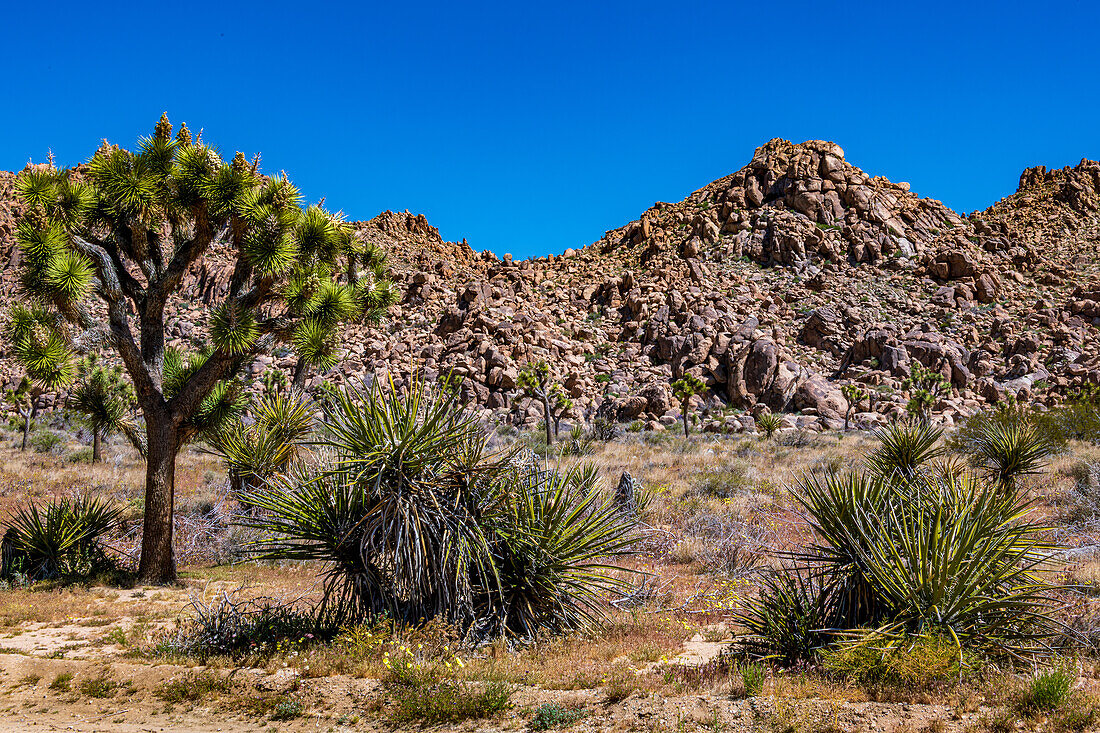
(63, 682)
(82, 455)
(1082, 503)
(728, 480)
(286, 710)
(1077, 419)
(1048, 689)
(753, 677)
(231, 626)
(419, 694)
(551, 715)
(916, 663)
(728, 547)
(100, 686)
(714, 673)
(418, 520)
(46, 441)
(60, 539)
(604, 429)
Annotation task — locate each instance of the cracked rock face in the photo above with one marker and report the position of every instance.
(776, 285)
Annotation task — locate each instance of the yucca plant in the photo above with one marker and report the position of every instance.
(552, 539)
(911, 549)
(768, 423)
(959, 558)
(124, 230)
(1007, 451)
(417, 519)
(791, 620)
(392, 507)
(253, 452)
(61, 538)
(904, 449)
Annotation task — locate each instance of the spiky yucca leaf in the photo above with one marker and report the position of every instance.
(70, 275)
(904, 449)
(63, 537)
(46, 356)
(36, 187)
(317, 233)
(555, 537)
(270, 250)
(383, 511)
(926, 553)
(331, 304)
(73, 202)
(1007, 451)
(790, 621)
(254, 453)
(37, 243)
(317, 343)
(233, 329)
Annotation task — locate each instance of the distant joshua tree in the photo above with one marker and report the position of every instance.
(125, 231)
(535, 383)
(104, 399)
(924, 386)
(854, 394)
(24, 400)
(684, 389)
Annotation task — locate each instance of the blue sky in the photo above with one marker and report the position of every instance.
(532, 127)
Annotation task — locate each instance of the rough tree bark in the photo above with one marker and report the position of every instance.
(301, 369)
(158, 558)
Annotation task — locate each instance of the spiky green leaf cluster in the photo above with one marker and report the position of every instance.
(254, 452)
(417, 520)
(40, 345)
(103, 397)
(912, 548)
(60, 538)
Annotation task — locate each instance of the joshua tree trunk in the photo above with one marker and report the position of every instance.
(158, 558)
(97, 449)
(548, 419)
(26, 429)
(301, 369)
(28, 418)
(684, 414)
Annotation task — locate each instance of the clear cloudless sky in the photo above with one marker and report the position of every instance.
(532, 127)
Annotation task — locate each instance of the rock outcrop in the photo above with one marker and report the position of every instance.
(775, 285)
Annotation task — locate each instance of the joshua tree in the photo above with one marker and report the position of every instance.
(104, 399)
(559, 405)
(24, 399)
(684, 389)
(534, 380)
(33, 331)
(125, 230)
(854, 394)
(924, 386)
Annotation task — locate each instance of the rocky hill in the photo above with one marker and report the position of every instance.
(776, 285)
